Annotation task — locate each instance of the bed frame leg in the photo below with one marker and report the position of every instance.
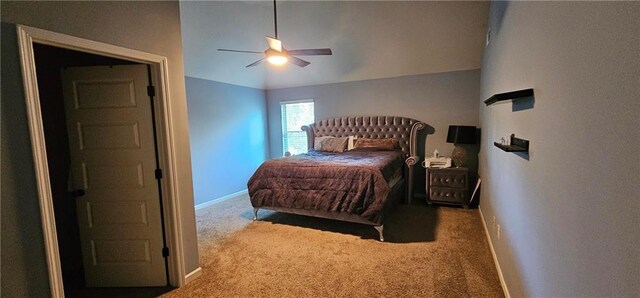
(380, 229)
(255, 214)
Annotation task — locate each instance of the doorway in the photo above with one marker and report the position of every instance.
(50, 62)
(28, 37)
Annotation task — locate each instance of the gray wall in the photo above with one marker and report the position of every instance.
(439, 100)
(24, 268)
(146, 26)
(228, 126)
(569, 210)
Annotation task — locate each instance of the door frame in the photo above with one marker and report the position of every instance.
(27, 36)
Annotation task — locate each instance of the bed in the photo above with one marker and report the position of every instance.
(360, 185)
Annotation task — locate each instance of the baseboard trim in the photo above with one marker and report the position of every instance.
(192, 275)
(505, 289)
(220, 199)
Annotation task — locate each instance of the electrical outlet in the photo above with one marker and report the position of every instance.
(493, 222)
(498, 231)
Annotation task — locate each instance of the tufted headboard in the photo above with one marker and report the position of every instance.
(375, 127)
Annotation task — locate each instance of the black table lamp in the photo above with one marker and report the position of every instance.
(459, 134)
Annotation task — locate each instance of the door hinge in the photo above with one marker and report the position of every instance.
(158, 174)
(165, 252)
(151, 91)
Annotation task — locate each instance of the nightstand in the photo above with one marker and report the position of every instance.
(448, 186)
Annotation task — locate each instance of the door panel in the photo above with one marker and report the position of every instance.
(131, 212)
(113, 252)
(113, 159)
(114, 176)
(109, 136)
(91, 94)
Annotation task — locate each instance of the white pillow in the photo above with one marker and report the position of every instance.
(351, 142)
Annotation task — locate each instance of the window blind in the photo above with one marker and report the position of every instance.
(295, 114)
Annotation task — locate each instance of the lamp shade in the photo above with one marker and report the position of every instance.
(461, 134)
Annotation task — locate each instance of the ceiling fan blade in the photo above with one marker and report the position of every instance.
(274, 44)
(240, 51)
(255, 63)
(298, 61)
(310, 52)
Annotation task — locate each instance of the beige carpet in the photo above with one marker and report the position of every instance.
(429, 252)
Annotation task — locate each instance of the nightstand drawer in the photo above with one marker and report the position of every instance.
(448, 179)
(446, 194)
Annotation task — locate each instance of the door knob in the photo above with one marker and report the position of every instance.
(77, 193)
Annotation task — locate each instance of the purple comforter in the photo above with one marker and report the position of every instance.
(355, 182)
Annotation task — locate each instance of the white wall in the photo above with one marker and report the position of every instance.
(152, 27)
(569, 211)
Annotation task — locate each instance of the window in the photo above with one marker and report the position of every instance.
(295, 114)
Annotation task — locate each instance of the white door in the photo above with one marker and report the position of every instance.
(113, 160)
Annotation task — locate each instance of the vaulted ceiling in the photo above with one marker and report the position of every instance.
(369, 39)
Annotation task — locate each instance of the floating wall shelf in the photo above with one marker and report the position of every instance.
(517, 145)
(509, 96)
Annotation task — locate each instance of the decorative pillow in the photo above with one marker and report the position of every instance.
(333, 144)
(379, 144)
(351, 142)
(317, 141)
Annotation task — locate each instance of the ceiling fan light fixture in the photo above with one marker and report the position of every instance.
(277, 59)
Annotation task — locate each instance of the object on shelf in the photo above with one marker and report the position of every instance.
(509, 96)
(515, 145)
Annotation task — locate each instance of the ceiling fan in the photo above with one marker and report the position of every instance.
(277, 54)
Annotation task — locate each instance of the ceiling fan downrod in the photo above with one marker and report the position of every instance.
(275, 18)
